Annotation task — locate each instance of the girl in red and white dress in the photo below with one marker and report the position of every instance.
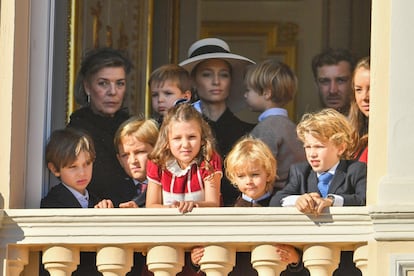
(184, 170)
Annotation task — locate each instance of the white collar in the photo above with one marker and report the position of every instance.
(272, 112)
(82, 199)
(249, 199)
(175, 168)
(331, 170)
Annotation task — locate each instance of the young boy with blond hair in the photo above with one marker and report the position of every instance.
(251, 167)
(330, 177)
(134, 140)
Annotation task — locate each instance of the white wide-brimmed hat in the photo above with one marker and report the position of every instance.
(209, 48)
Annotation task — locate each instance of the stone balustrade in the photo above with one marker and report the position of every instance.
(163, 235)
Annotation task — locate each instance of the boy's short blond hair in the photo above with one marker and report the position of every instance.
(144, 130)
(273, 75)
(247, 150)
(329, 125)
(171, 72)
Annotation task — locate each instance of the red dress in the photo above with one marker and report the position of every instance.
(363, 157)
(182, 184)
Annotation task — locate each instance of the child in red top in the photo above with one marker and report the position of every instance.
(184, 170)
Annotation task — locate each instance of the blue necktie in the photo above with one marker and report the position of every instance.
(323, 183)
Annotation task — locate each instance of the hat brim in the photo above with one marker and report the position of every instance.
(238, 63)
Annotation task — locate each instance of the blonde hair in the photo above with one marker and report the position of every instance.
(144, 130)
(182, 113)
(246, 151)
(275, 76)
(329, 125)
(65, 145)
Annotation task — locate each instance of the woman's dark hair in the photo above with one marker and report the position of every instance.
(95, 60)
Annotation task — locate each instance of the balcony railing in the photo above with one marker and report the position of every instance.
(164, 235)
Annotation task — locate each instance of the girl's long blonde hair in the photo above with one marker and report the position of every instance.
(183, 113)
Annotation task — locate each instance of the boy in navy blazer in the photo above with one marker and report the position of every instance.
(70, 155)
(134, 140)
(329, 142)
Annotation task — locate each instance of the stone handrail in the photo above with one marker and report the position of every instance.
(65, 232)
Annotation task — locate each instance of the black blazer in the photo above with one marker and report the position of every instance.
(61, 197)
(349, 181)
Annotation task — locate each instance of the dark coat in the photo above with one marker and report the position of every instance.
(240, 202)
(60, 197)
(349, 181)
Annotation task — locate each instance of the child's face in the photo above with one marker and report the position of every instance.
(252, 180)
(78, 174)
(255, 101)
(322, 155)
(132, 156)
(165, 94)
(184, 139)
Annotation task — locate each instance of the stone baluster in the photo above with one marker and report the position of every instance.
(114, 260)
(60, 260)
(361, 258)
(165, 260)
(321, 260)
(17, 258)
(217, 260)
(266, 261)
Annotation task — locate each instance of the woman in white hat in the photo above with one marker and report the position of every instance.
(218, 80)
